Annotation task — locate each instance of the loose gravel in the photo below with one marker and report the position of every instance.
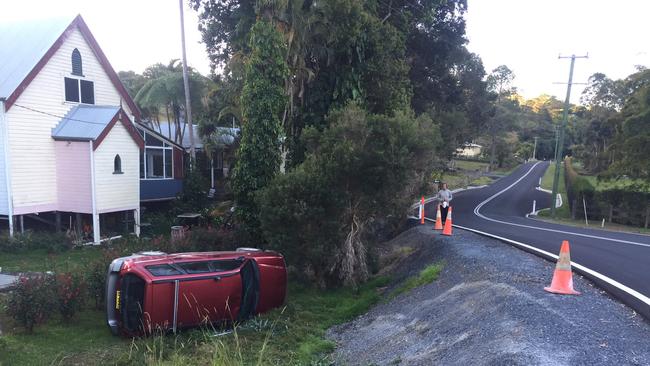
(488, 307)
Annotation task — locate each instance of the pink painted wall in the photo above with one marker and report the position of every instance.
(73, 176)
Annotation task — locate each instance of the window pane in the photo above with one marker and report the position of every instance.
(141, 165)
(162, 270)
(154, 163)
(150, 140)
(195, 267)
(71, 90)
(87, 92)
(225, 265)
(76, 63)
(168, 164)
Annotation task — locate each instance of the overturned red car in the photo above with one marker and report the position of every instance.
(151, 291)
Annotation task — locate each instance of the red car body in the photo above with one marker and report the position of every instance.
(152, 291)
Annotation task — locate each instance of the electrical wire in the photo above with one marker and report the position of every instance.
(57, 116)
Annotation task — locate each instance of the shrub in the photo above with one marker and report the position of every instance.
(362, 168)
(95, 277)
(211, 240)
(30, 240)
(32, 301)
(70, 289)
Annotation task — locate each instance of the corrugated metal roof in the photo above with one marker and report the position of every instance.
(22, 45)
(84, 122)
(224, 135)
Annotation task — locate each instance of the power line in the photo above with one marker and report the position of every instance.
(57, 116)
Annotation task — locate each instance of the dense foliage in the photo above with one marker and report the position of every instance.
(362, 169)
(263, 98)
(32, 301)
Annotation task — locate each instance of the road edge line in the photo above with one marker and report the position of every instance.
(585, 270)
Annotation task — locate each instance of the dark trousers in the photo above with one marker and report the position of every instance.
(443, 213)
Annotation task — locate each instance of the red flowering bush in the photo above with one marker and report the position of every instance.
(32, 301)
(70, 290)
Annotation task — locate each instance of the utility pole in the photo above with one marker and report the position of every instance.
(186, 84)
(560, 140)
(535, 149)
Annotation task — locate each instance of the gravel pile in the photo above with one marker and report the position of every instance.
(489, 308)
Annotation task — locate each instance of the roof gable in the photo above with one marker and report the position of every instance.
(25, 63)
(22, 45)
(93, 123)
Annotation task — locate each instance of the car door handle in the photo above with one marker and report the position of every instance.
(217, 278)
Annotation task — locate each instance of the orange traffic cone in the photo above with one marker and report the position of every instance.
(447, 229)
(562, 277)
(438, 225)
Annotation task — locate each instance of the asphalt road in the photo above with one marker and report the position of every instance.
(500, 209)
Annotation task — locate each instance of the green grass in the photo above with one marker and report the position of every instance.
(481, 181)
(621, 183)
(505, 170)
(426, 276)
(470, 165)
(85, 339)
(595, 224)
(41, 261)
(294, 335)
(547, 183)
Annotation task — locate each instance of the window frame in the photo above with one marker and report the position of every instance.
(117, 159)
(78, 80)
(81, 67)
(165, 147)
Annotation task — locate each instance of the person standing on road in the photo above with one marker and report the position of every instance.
(444, 197)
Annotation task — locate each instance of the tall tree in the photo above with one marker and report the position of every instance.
(163, 95)
(262, 100)
(631, 148)
(500, 83)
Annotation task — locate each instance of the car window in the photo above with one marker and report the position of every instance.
(225, 265)
(195, 267)
(162, 270)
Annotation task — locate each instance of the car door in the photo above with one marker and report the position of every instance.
(208, 294)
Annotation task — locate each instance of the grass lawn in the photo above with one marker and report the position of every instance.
(595, 224)
(426, 276)
(294, 335)
(470, 165)
(40, 261)
(86, 340)
(481, 181)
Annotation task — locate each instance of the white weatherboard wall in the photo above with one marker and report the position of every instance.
(117, 192)
(32, 149)
(4, 203)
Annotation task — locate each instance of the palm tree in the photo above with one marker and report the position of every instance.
(164, 92)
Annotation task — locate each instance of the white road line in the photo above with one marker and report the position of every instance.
(588, 271)
(479, 214)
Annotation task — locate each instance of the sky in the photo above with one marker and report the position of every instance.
(528, 36)
(132, 33)
(525, 35)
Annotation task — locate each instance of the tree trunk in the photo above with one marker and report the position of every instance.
(493, 151)
(611, 213)
(574, 203)
(169, 122)
(647, 217)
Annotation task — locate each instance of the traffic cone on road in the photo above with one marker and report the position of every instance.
(562, 282)
(438, 225)
(447, 229)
